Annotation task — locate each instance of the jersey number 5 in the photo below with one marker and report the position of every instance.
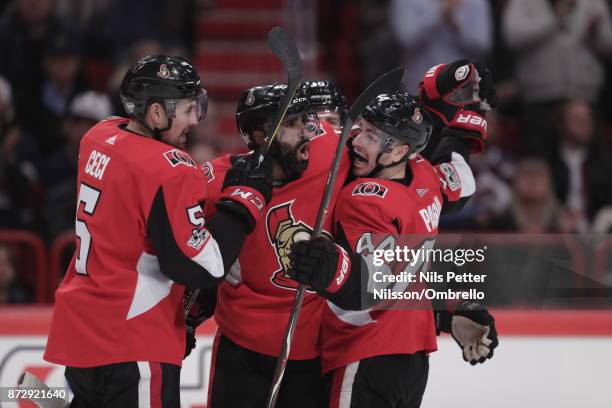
(89, 196)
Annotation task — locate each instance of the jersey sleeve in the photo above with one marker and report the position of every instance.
(456, 178)
(214, 173)
(355, 217)
(227, 228)
(451, 162)
(186, 250)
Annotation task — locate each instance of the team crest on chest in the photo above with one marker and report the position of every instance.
(283, 230)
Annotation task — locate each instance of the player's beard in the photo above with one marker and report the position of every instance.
(287, 157)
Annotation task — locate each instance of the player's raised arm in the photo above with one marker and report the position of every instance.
(458, 94)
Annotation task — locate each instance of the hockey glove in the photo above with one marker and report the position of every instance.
(201, 310)
(473, 328)
(319, 264)
(459, 93)
(190, 340)
(247, 189)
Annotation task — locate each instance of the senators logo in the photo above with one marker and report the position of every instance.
(163, 72)
(176, 157)
(314, 128)
(283, 231)
(207, 170)
(370, 188)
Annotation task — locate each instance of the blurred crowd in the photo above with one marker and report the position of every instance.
(548, 164)
(549, 156)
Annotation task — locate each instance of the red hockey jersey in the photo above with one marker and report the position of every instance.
(254, 303)
(114, 304)
(367, 209)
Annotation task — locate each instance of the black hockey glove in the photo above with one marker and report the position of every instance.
(320, 264)
(459, 94)
(473, 328)
(247, 188)
(190, 340)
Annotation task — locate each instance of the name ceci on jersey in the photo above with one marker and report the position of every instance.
(96, 164)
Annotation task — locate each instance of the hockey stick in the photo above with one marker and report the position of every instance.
(385, 83)
(29, 381)
(283, 46)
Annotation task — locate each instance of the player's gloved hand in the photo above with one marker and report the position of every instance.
(473, 328)
(320, 264)
(190, 340)
(459, 94)
(202, 309)
(247, 188)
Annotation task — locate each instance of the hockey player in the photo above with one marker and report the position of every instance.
(118, 320)
(326, 102)
(255, 301)
(375, 357)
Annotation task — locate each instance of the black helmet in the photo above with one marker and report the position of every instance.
(324, 94)
(160, 78)
(258, 106)
(402, 118)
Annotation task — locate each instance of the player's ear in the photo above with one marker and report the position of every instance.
(399, 152)
(258, 136)
(157, 115)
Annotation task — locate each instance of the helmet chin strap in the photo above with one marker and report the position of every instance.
(385, 148)
(155, 131)
(379, 167)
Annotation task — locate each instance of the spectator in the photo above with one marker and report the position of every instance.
(434, 31)
(11, 292)
(580, 168)
(501, 62)
(534, 209)
(558, 45)
(380, 51)
(493, 171)
(62, 68)
(602, 224)
(59, 170)
(18, 177)
(6, 105)
(23, 29)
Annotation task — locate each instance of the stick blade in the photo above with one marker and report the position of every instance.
(28, 380)
(385, 83)
(283, 46)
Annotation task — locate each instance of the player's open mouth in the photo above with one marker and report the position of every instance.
(303, 151)
(358, 159)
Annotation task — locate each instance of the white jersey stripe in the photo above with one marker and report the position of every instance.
(210, 258)
(466, 177)
(144, 385)
(346, 390)
(151, 287)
